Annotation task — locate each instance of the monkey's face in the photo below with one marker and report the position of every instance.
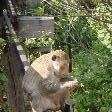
(60, 65)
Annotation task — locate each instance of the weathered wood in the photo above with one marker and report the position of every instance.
(1, 24)
(42, 49)
(10, 87)
(15, 72)
(17, 65)
(35, 27)
(69, 40)
(15, 40)
(2, 5)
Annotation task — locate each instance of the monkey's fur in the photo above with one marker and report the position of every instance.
(48, 82)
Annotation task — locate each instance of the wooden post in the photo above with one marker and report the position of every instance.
(15, 73)
(69, 105)
(69, 49)
(2, 6)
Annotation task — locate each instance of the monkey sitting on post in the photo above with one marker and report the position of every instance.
(48, 82)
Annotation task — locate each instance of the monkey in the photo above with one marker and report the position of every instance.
(48, 82)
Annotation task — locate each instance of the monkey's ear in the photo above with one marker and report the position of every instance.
(54, 57)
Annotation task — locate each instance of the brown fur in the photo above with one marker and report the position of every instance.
(43, 64)
(43, 81)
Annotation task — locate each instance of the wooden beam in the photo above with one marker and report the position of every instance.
(41, 49)
(1, 25)
(15, 71)
(70, 52)
(2, 5)
(15, 40)
(35, 27)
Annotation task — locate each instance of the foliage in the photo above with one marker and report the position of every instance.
(88, 23)
(95, 77)
(3, 106)
(2, 75)
(32, 46)
(37, 11)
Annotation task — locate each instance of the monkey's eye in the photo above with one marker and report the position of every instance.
(54, 57)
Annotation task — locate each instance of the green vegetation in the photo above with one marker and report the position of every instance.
(88, 23)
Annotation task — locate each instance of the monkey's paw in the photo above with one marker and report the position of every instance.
(69, 84)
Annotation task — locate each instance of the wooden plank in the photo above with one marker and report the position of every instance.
(35, 27)
(15, 71)
(16, 74)
(1, 25)
(15, 40)
(17, 65)
(41, 49)
(2, 5)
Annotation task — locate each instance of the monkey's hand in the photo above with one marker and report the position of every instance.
(69, 84)
(49, 86)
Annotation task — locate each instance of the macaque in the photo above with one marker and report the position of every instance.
(48, 82)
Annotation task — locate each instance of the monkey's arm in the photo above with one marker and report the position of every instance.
(54, 86)
(50, 86)
(69, 84)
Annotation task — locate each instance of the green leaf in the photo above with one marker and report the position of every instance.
(3, 77)
(103, 109)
